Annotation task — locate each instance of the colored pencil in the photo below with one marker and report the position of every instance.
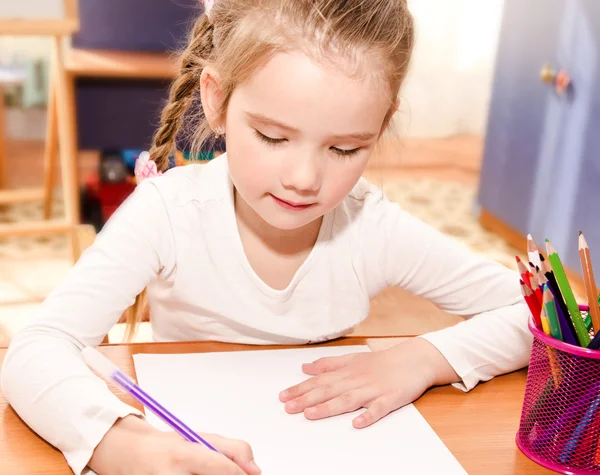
(589, 281)
(563, 284)
(566, 326)
(525, 275)
(533, 251)
(577, 406)
(110, 372)
(542, 279)
(554, 366)
(579, 431)
(533, 304)
(545, 322)
(559, 301)
(537, 283)
(587, 446)
(549, 273)
(595, 343)
(550, 308)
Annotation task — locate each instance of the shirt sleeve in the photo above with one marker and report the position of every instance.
(44, 376)
(405, 252)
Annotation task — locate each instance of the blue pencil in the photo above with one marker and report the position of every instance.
(568, 415)
(579, 431)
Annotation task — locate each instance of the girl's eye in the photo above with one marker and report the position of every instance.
(345, 153)
(268, 140)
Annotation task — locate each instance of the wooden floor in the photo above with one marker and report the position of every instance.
(394, 312)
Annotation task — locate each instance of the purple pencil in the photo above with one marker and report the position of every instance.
(565, 328)
(107, 369)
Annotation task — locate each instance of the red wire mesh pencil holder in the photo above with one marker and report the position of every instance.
(560, 419)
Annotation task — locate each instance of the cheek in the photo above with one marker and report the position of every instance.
(246, 157)
(342, 176)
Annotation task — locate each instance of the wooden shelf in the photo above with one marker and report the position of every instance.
(51, 226)
(120, 64)
(41, 27)
(21, 195)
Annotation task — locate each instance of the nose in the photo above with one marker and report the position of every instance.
(302, 174)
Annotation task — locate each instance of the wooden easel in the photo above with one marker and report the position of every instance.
(60, 131)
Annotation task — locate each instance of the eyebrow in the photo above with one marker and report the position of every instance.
(262, 119)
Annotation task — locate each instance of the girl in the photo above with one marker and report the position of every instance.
(279, 241)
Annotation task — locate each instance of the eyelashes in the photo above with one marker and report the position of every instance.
(275, 142)
(268, 140)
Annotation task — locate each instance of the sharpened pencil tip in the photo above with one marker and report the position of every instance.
(580, 232)
(547, 240)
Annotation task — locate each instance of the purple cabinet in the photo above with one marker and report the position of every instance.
(541, 168)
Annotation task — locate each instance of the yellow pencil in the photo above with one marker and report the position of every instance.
(554, 365)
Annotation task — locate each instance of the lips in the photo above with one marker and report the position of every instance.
(291, 204)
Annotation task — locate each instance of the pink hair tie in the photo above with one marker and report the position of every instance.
(145, 168)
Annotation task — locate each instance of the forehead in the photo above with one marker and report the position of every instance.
(305, 93)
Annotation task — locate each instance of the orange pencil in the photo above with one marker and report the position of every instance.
(589, 281)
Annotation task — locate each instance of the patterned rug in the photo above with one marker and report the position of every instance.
(446, 205)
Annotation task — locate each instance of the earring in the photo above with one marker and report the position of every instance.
(219, 131)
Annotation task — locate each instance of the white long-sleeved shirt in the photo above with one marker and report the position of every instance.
(177, 236)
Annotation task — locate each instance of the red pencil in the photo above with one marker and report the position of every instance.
(525, 275)
(533, 304)
(536, 284)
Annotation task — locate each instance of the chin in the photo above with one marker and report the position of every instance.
(287, 223)
(287, 220)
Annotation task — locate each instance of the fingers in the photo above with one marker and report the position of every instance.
(203, 461)
(378, 409)
(238, 451)
(322, 396)
(325, 381)
(325, 365)
(346, 402)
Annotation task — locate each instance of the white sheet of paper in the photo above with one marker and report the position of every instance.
(235, 394)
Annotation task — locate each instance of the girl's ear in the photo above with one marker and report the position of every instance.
(211, 96)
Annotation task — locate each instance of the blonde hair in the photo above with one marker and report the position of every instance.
(238, 36)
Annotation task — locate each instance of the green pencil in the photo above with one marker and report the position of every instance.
(567, 293)
(550, 308)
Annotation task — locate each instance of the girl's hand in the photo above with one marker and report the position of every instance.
(380, 381)
(133, 447)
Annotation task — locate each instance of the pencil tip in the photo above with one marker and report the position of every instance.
(518, 258)
(547, 240)
(580, 232)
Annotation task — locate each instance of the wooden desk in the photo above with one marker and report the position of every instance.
(479, 428)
